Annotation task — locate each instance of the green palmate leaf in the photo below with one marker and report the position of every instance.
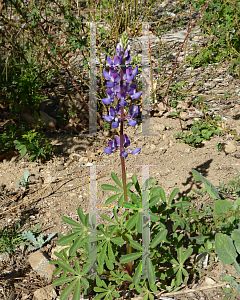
(129, 205)
(101, 256)
(108, 187)
(126, 277)
(145, 186)
(225, 248)
(115, 294)
(186, 254)
(109, 264)
(68, 290)
(77, 291)
(112, 198)
(64, 241)
(115, 178)
(137, 275)
(117, 240)
(66, 267)
(76, 264)
(159, 238)
(107, 218)
(135, 245)
(131, 222)
(76, 245)
(136, 184)
(57, 271)
(120, 200)
(130, 257)
(71, 222)
(208, 185)
(63, 280)
(110, 253)
(152, 277)
(100, 295)
(153, 201)
(135, 200)
(153, 217)
(81, 214)
(178, 278)
(85, 283)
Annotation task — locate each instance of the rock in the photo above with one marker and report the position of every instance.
(29, 119)
(184, 115)
(229, 147)
(4, 257)
(49, 179)
(41, 265)
(208, 281)
(50, 122)
(83, 160)
(45, 293)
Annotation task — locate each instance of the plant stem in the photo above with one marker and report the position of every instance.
(129, 248)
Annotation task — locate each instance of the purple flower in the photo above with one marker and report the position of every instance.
(115, 115)
(115, 144)
(113, 78)
(132, 113)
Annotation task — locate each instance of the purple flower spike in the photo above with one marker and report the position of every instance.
(115, 144)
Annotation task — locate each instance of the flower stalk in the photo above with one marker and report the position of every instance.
(120, 86)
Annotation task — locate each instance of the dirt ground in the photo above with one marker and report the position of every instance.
(59, 186)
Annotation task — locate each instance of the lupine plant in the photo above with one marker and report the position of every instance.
(120, 256)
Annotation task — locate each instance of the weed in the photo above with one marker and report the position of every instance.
(10, 239)
(24, 181)
(200, 131)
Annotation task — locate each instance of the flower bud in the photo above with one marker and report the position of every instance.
(124, 40)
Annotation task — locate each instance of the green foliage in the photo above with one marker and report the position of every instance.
(200, 131)
(24, 181)
(178, 92)
(20, 83)
(10, 239)
(31, 142)
(220, 19)
(110, 240)
(36, 145)
(39, 241)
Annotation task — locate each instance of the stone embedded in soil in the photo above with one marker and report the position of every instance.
(4, 257)
(230, 147)
(41, 265)
(49, 179)
(46, 293)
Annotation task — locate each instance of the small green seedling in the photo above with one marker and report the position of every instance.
(24, 181)
(38, 242)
